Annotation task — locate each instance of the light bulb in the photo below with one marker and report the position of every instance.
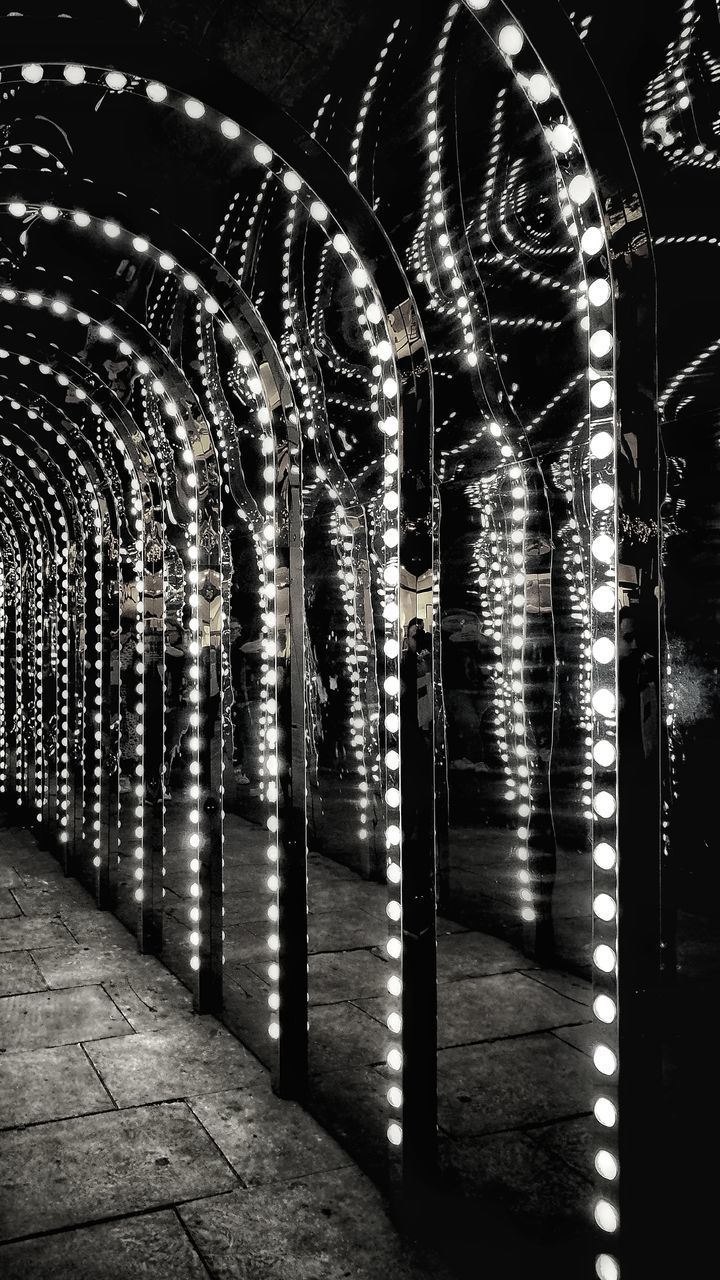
(598, 292)
(592, 241)
(510, 40)
(604, 1008)
(600, 394)
(604, 857)
(604, 753)
(604, 958)
(580, 188)
(601, 342)
(604, 907)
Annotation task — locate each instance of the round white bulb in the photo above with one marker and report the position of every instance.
(580, 188)
(603, 599)
(600, 394)
(604, 958)
(603, 548)
(604, 753)
(592, 241)
(601, 343)
(562, 138)
(510, 40)
(604, 1008)
(604, 907)
(598, 292)
(606, 1267)
(604, 804)
(601, 444)
(539, 88)
(602, 497)
(605, 1112)
(606, 1216)
(604, 857)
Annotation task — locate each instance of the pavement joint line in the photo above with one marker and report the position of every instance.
(97, 1073)
(40, 1124)
(105, 1219)
(194, 1245)
(240, 1179)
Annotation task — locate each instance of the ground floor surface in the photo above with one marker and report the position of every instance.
(140, 1139)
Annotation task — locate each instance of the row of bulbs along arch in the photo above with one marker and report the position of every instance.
(58, 550)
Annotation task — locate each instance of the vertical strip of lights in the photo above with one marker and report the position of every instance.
(508, 557)
(63, 668)
(393, 813)
(603, 627)
(139, 667)
(42, 714)
(574, 174)
(95, 793)
(193, 601)
(269, 729)
(3, 742)
(19, 729)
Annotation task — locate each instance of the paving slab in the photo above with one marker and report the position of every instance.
(503, 1004)
(153, 1245)
(346, 975)
(240, 907)
(585, 1038)
(197, 1057)
(469, 955)
(62, 967)
(569, 985)
(47, 1018)
(97, 928)
(23, 934)
(574, 1141)
(243, 947)
(332, 1226)
(265, 1138)
(246, 1013)
(48, 1084)
(9, 877)
(49, 897)
(503, 1084)
(352, 1104)
(19, 974)
(509, 1168)
(331, 893)
(152, 999)
(72, 1172)
(8, 905)
(342, 1035)
(353, 927)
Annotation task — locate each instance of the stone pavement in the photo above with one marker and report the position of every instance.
(139, 1139)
